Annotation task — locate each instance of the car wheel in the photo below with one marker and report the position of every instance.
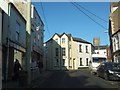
(106, 76)
(92, 73)
(97, 74)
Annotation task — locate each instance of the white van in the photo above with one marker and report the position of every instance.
(96, 60)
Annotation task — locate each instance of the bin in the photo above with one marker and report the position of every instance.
(23, 76)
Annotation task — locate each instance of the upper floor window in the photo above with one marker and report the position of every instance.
(97, 52)
(63, 62)
(86, 49)
(38, 37)
(57, 62)
(63, 40)
(56, 51)
(63, 52)
(35, 40)
(41, 38)
(56, 39)
(80, 48)
(17, 31)
(117, 42)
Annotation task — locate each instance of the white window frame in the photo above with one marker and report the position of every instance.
(63, 40)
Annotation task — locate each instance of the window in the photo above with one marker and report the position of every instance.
(63, 62)
(35, 40)
(86, 61)
(41, 38)
(80, 48)
(56, 51)
(57, 62)
(97, 52)
(117, 42)
(63, 51)
(104, 52)
(17, 31)
(38, 37)
(86, 49)
(56, 39)
(63, 40)
(80, 61)
(114, 44)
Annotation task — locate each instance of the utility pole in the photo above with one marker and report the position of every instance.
(28, 41)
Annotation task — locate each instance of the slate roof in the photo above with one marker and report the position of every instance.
(80, 40)
(74, 38)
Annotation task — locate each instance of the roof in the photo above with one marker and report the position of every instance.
(59, 35)
(69, 35)
(80, 40)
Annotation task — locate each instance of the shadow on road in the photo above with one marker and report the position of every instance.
(68, 79)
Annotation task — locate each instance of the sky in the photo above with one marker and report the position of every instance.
(64, 17)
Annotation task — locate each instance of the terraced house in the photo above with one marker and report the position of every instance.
(64, 52)
(114, 30)
(13, 39)
(14, 15)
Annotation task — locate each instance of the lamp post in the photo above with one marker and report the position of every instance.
(28, 41)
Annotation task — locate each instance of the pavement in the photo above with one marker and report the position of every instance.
(14, 84)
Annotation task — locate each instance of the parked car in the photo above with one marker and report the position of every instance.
(93, 67)
(109, 71)
(95, 62)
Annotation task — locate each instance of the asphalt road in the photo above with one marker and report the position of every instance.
(76, 79)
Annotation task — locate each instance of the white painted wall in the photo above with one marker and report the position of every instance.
(55, 44)
(72, 53)
(65, 45)
(103, 52)
(4, 5)
(83, 54)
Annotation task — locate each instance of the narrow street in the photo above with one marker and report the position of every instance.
(76, 79)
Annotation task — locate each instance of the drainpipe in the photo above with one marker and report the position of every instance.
(6, 72)
(28, 41)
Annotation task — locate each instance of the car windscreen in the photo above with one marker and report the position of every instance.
(109, 65)
(113, 66)
(116, 66)
(98, 59)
